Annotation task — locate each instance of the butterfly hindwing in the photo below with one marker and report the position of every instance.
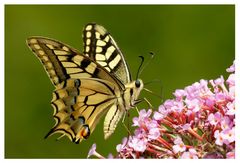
(79, 104)
(101, 47)
(112, 118)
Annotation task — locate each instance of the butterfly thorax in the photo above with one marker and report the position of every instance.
(131, 93)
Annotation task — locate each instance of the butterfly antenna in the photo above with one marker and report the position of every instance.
(142, 60)
(159, 96)
(148, 103)
(149, 60)
(153, 81)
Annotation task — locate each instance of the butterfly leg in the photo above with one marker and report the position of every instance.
(149, 104)
(137, 109)
(124, 117)
(125, 126)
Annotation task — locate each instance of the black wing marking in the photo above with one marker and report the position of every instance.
(101, 47)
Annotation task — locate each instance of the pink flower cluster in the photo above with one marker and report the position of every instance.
(198, 123)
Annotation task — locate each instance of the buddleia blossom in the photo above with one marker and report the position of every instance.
(93, 152)
(198, 123)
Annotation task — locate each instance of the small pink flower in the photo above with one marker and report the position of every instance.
(168, 104)
(158, 116)
(162, 112)
(219, 137)
(110, 156)
(196, 86)
(92, 150)
(151, 124)
(219, 81)
(204, 86)
(230, 155)
(231, 108)
(192, 151)
(220, 97)
(179, 145)
(185, 155)
(193, 104)
(179, 94)
(178, 106)
(186, 126)
(139, 145)
(231, 80)
(191, 154)
(229, 135)
(214, 119)
(231, 68)
(226, 123)
(120, 147)
(136, 121)
(210, 101)
(190, 91)
(231, 92)
(153, 134)
(212, 83)
(143, 115)
(140, 133)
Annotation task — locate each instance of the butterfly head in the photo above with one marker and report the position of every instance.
(132, 92)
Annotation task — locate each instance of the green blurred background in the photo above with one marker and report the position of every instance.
(190, 43)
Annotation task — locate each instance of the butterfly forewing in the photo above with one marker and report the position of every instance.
(63, 62)
(101, 47)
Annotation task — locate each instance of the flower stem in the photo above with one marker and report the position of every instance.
(191, 131)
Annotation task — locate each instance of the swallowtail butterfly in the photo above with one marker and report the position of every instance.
(88, 85)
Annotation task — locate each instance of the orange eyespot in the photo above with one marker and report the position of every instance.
(85, 131)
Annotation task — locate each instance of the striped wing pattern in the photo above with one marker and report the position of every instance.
(101, 47)
(84, 92)
(62, 62)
